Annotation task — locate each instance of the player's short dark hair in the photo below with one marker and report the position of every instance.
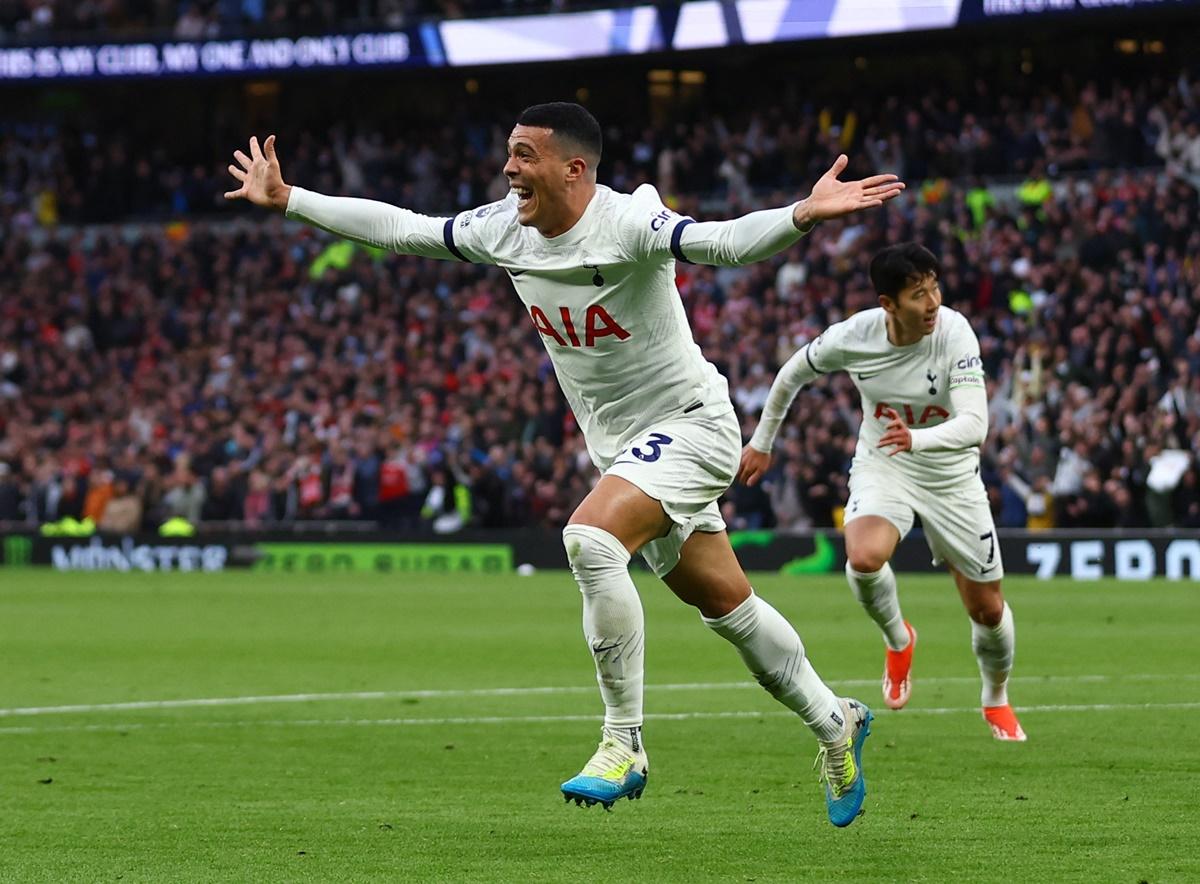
(899, 266)
(571, 123)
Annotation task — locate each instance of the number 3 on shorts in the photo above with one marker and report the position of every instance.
(656, 442)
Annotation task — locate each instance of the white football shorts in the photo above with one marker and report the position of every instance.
(685, 463)
(958, 523)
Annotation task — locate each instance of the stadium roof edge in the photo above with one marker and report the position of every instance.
(595, 33)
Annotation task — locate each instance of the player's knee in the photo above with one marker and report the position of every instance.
(722, 598)
(592, 551)
(988, 610)
(865, 561)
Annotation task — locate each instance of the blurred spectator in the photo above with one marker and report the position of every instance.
(100, 492)
(123, 515)
(257, 507)
(1186, 504)
(221, 500)
(1026, 506)
(1090, 506)
(184, 497)
(10, 495)
(786, 501)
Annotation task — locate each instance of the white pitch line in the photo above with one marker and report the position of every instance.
(201, 702)
(543, 719)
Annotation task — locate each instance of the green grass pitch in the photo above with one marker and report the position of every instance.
(443, 712)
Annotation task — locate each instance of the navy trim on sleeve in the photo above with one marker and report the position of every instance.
(448, 237)
(676, 234)
(808, 356)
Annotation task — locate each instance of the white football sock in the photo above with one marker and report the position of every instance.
(612, 624)
(775, 656)
(876, 592)
(994, 647)
(631, 737)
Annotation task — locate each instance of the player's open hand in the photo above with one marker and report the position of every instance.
(262, 181)
(897, 434)
(831, 198)
(754, 464)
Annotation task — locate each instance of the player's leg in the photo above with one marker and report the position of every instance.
(709, 577)
(994, 640)
(614, 520)
(960, 530)
(870, 543)
(876, 518)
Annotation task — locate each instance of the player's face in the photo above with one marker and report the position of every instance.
(537, 174)
(915, 307)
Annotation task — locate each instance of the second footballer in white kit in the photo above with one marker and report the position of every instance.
(917, 368)
(596, 271)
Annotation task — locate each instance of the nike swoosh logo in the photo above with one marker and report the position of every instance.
(602, 650)
(516, 272)
(985, 570)
(867, 377)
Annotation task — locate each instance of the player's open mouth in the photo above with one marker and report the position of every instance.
(524, 196)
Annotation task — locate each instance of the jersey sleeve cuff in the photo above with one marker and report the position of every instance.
(448, 239)
(677, 240)
(295, 195)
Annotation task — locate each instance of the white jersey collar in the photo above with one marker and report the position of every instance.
(580, 228)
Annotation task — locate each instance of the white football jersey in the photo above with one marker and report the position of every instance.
(914, 381)
(603, 298)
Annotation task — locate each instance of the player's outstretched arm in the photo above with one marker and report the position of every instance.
(367, 221)
(759, 235)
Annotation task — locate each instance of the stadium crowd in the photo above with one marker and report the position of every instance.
(248, 369)
(96, 174)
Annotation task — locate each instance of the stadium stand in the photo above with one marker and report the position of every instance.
(164, 355)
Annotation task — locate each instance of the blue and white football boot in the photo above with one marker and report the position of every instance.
(616, 771)
(841, 765)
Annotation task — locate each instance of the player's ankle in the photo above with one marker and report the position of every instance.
(994, 696)
(846, 717)
(896, 635)
(629, 737)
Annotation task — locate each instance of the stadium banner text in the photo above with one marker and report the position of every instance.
(523, 39)
(385, 558)
(998, 10)
(1080, 555)
(195, 58)
(312, 552)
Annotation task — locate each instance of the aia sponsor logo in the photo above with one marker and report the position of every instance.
(883, 409)
(597, 323)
